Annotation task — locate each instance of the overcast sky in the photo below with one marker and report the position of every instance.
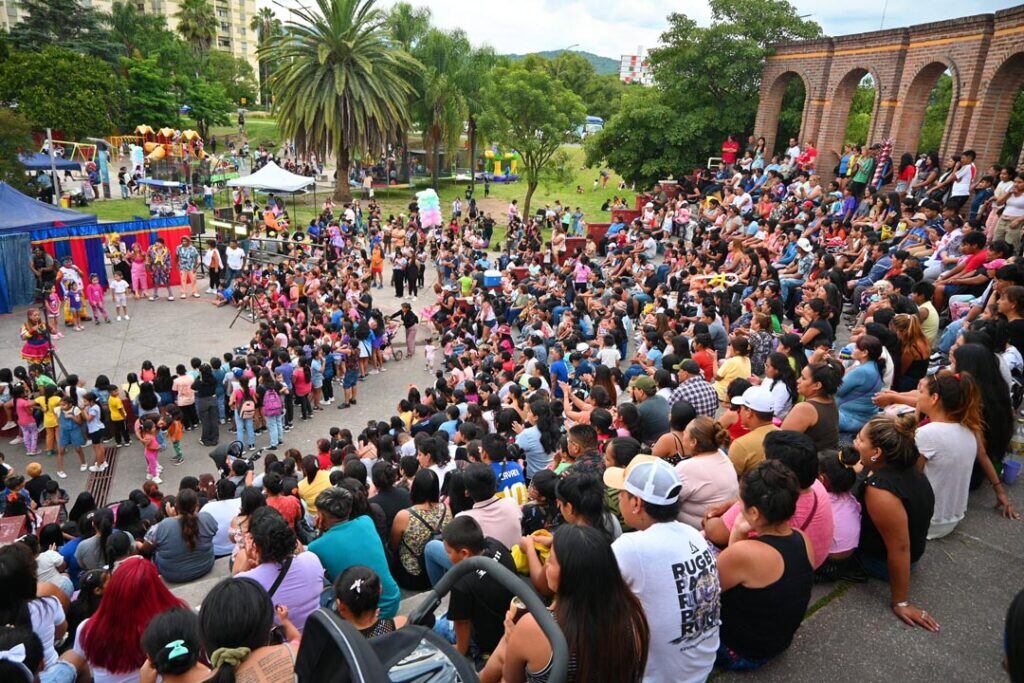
(615, 27)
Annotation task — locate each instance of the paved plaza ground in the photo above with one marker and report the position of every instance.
(965, 580)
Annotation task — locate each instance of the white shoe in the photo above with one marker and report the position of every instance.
(383, 369)
(95, 468)
(118, 318)
(211, 290)
(11, 424)
(103, 467)
(126, 317)
(62, 474)
(374, 372)
(83, 467)
(16, 440)
(157, 480)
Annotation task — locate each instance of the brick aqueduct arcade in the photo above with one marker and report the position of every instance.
(984, 53)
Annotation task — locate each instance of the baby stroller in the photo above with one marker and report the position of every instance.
(388, 348)
(333, 651)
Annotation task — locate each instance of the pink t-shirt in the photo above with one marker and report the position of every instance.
(24, 410)
(94, 292)
(183, 387)
(813, 516)
(499, 519)
(846, 515)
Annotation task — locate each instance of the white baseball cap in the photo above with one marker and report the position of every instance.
(650, 479)
(759, 399)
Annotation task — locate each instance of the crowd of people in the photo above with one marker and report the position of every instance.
(756, 384)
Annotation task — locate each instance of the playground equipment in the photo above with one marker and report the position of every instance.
(167, 143)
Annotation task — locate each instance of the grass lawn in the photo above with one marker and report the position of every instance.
(259, 130)
(302, 207)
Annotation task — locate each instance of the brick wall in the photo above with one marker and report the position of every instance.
(984, 53)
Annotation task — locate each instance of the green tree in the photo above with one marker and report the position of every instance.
(441, 107)
(791, 113)
(37, 83)
(137, 33)
(15, 138)
(407, 24)
(1013, 143)
(710, 76)
(147, 97)
(605, 94)
(859, 120)
(532, 113)
(340, 82)
(209, 102)
(197, 24)
(471, 80)
(575, 72)
(935, 114)
(65, 23)
(266, 25)
(645, 141)
(233, 73)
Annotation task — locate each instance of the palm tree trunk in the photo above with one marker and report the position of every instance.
(342, 191)
(435, 172)
(472, 154)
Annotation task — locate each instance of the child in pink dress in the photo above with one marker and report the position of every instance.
(94, 295)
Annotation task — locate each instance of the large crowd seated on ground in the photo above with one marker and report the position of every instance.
(755, 382)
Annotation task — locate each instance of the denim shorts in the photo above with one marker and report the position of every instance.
(61, 672)
(351, 379)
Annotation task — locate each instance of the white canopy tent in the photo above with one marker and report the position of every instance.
(273, 178)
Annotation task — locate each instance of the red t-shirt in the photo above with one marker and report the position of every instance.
(324, 461)
(729, 150)
(974, 262)
(289, 507)
(908, 173)
(704, 361)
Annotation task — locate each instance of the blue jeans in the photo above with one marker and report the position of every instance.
(229, 275)
(244, 430)
(208, 201)
(788, 285)
(949, 335)
(437, 560)
(275, 428)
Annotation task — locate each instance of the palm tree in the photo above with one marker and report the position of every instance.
(407, 25)
(266, 25)
(197, 24)
(340, 84)
(441, 108)
(472, 79)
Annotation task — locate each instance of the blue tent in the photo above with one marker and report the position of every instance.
(19, 216)
(20, 213)
(37, 161)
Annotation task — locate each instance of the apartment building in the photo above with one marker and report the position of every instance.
(233, 17)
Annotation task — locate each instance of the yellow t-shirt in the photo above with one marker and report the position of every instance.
(117, 412)
(309, 491)
(733, 368)
(49, 416)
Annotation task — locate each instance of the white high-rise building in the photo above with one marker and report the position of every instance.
(635, 68)
(233, 16)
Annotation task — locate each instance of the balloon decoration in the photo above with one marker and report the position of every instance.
(489, 154)
(430, 208)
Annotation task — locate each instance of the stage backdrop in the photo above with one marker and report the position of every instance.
(86, 244)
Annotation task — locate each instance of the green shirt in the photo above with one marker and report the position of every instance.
(466, 283)
(356, 542)
(863, 175)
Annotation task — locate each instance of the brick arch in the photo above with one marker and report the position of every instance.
(833, 132)
(992, 116)
(913, 102)
(772, 104)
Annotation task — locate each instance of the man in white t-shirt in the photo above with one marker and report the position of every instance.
(235, 257)
(793, 151)
(224, 509)
(670, 568)
(963, 179)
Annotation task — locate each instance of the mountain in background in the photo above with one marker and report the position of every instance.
(602, 65)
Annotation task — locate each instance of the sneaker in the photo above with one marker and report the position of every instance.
(157, 480)
(118, 318)
(11, 424)
(104, 466)
(83, 467)
(195, 295)
(98, 321)
(353, 401)
(62, 474)
(177, 461)
(16, 440)
(95, 468)
(126, 317)
(171, 298)
(342, 406)
(183, 295)
(374, 372)
(108, 321)
(383, 369)
(211, 290)
(152, 298)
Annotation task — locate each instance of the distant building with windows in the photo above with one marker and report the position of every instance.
(233, 17)
(636, 68)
